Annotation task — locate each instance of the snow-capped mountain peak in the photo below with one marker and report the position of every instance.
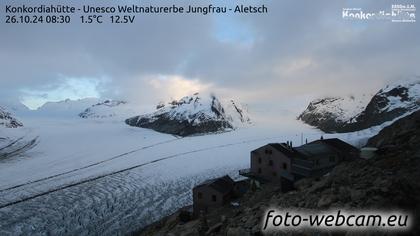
(346, 115)
(66, 108)
(399, 95)
(8, 120)
(108, 109)
(342, 108)
(193, 114)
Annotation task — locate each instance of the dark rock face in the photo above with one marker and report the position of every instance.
(15, 147)
(165, 124)
(388, 181)
(386, 105)
(7, 120)
(327, 121)
(404, 131)
(191, 115)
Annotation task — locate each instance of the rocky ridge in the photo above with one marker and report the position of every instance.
(348, 115)
(193, 115)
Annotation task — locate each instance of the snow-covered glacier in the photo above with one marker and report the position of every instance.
(103, 177)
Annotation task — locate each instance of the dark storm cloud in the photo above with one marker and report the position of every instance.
(295, 51)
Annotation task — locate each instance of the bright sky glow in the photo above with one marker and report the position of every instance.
(65, 88)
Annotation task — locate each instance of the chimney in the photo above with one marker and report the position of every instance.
(291, 144)
(306, 141)
(301, 138)
(322, 137)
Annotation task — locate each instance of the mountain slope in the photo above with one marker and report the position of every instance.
(10, 147)
(66, 108)
(16, 107)
(7, 120)
(329, 114)
(404, 131)
(193, 115)
(107, 109)
(389, 103)
(344, 115)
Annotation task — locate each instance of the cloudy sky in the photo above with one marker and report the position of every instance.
(301, 49)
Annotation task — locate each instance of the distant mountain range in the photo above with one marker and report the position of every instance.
(198, 114)
(190, 115)
(339, 114)
(193, 115)
(67, 108)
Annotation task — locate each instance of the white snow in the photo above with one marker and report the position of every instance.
(343, 108)
(196, 109)
(15, 107)
(66, 108)
(110, 109)
(413, 95)
(347, 109)
(412, 81)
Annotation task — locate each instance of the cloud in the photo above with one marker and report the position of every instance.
(176, 87)
(299, 50)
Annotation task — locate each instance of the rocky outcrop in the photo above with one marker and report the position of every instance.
(344, 115)
(331, 114)
(7, 120)
(15, 147)
(105, 109)
(387, 181)
(192, 115)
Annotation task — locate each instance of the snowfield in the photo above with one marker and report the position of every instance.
(342, 108)
(103, 177)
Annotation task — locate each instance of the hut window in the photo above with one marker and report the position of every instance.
(259, 171)
(317, 162)
(270, 162)
(259, 160)
(268, 151)
(199, 195)
(285, 166)
(214, 198)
